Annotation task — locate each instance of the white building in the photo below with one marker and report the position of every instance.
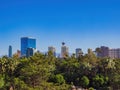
(64, 50)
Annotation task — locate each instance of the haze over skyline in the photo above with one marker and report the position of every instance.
(79, 23)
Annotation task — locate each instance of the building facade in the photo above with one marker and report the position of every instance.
(106, 52)
(103, 51)
(27, 42)
(79, 52)
(30, 52)
(114, 53)
(52, 49)
(10, 51)
(64, 51)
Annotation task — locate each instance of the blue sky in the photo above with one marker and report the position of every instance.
(80, 23)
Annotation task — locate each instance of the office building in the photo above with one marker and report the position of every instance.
(30, 52)
(52, 49)
(64, 50)
(103, 51)
(114, 53)
(10, 51)
(79, 52)
(27, 42)
(107, 52)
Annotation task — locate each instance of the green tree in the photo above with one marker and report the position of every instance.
(2, 82)
(84, 82)
(90, 57)
(98, 81)
(59, 79)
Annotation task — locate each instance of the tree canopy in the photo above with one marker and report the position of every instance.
(46, 72)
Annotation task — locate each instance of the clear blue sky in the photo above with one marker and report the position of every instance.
(80, 23)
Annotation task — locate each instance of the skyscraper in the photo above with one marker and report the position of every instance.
(52, 49)
(30, 52)
(107, 52)
(79, 52)
(27, 42)
(114, 53)
(103, 51)
(64, 50)
(10, 51)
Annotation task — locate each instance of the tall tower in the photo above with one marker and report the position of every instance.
(10, 51)
(64, 50)
(27, 42)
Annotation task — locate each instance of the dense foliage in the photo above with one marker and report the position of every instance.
(46, 72)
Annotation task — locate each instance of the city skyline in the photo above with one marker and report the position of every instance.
(80, 24)
(28, 48)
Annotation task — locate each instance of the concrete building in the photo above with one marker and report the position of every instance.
(79, 52)
(64, 50)
(52, 49)
(114, 53)
(103, 51)
(27, 42)
(107, 52)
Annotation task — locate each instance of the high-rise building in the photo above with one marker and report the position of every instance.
(64, 50)
(106, 52)
(27, 42)
(30, 52)
(10, 51)
(114, 53)
(103, 51)
(79, 52)
(52, 49)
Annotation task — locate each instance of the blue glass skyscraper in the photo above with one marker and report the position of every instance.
(10, 51)
(30, 52)
(27, 42)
